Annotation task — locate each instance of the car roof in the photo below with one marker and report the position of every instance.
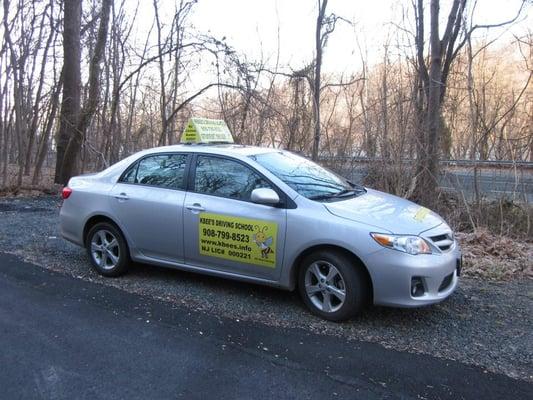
(232, 149)
(236, 150)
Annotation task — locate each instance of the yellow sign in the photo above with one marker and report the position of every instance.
(250, 241)
(421, 214)
(203, 130)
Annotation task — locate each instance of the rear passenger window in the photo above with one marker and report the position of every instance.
(165, 170)
(226, 178)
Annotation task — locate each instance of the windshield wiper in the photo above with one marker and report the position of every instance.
(356, 191)
(343, 193)
(322, 196)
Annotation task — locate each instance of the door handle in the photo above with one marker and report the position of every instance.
(195, 207)
(121, 196)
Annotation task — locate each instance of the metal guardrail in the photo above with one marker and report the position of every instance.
(451, 162)
(491, 179)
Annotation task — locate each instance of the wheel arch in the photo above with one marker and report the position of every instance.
(95, 219)
(358, 263)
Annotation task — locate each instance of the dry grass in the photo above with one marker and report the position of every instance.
(494, 257)
(45, 186)
(502, 217)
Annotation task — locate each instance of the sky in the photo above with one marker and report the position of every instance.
(251, 27)
(259, 29)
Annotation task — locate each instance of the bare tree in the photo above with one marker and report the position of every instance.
(75, 141)
(435, 93)
(70, 103)
(325, 25)
(433, 80)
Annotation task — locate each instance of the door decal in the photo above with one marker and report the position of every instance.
(250, 241)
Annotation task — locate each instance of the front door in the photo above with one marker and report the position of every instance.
(148, 202)
(224, 230)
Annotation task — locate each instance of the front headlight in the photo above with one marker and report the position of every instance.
(408, 244)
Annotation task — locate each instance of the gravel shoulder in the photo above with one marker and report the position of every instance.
(486, 323)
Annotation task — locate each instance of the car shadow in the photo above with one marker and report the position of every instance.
(280, 301)
(217, 284)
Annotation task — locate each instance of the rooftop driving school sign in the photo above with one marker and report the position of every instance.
(203, 130)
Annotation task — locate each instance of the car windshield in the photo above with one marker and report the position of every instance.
(306, 177)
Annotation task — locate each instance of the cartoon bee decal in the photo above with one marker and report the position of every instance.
(262, 241)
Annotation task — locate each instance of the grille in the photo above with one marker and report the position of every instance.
(444, 241)
(446, 282)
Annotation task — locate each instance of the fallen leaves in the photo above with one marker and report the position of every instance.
(494, 257)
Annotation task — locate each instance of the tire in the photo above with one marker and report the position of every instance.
(322, 279)
(107, 250)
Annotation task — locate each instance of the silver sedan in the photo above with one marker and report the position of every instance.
(265, 216)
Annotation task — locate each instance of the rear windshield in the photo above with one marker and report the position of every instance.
(304, 176)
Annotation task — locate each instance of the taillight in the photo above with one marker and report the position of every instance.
(66, 192)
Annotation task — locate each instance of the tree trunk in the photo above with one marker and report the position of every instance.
(36, 106)
(70, 104)
(16, 63)
(316, 82)
(385, 153)
(429, 174)
(74, 145)
(43, 143)
(163, 95)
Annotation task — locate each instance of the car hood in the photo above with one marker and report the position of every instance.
(387, 212)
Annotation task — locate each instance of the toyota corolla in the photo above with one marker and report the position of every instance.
(265, 216)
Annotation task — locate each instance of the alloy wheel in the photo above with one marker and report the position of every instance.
(325, 286)
(105, 249)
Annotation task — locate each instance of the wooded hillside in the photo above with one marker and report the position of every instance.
(78, 93)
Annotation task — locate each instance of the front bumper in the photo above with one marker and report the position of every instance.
(392, 274)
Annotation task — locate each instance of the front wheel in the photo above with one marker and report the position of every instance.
(107, 250)
(332, 285)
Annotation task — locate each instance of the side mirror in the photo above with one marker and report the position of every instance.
(265, 196)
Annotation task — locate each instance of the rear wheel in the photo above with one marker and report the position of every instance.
(332, 285)
(107, 250)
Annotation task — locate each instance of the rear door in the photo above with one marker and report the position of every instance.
(224, 230)
(148, 203)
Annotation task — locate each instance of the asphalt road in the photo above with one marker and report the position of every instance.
(64, 338)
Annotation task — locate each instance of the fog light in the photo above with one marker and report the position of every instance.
(417, 287)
